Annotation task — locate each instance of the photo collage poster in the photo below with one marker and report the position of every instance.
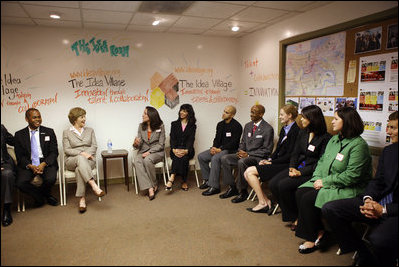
(377, 95)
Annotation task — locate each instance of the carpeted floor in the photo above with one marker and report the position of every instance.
(177, 228)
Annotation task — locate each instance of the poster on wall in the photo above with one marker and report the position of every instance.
(292, 101)
(392, 38)
(368, 40)
(306, 101)
(377, 95)
(341, 102)
(326, 104)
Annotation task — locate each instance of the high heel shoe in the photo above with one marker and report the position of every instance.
(82, 208)
(101, 194)
(168, 188)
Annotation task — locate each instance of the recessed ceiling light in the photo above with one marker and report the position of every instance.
(235, 28)
(55, 16)
(156, 22)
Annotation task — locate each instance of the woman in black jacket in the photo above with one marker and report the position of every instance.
(182, 136)
(278, 161)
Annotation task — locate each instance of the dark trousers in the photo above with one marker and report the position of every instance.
(7, 182)
(283, 189)
(180, 165)
(384, 235)
(309, 216)
(24, 178)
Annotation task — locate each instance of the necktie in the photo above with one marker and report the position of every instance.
(34, 149)
(254, 129)
(387, 199)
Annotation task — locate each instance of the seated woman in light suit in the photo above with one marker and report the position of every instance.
(150, 142)
(80, 148)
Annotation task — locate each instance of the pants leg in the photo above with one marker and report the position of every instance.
(83, 169)
(214, 177)
(145, 167)
(49, 178)
(309, 216)
(228, 162)
(243, 164)
(274, 184)
(203, 159)
(7, 182)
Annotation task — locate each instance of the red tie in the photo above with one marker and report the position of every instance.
(254, 129)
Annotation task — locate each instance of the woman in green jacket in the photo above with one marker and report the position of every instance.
(342, 172)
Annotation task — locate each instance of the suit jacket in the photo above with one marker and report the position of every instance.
(259, 144)
(183, 139)
(74, 144)
(156, 143)
(344, 175)
(6, 138)
(48, 144)
(308, 152)
(284, 149)
(386, 179)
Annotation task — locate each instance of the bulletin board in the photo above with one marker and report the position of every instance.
(353, 63)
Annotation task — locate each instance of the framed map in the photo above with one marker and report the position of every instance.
(316, 67)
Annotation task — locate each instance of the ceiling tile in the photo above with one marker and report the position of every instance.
(198, 23)
(12, 10)
(105, 26)
(285, 5)
(314, 4)
(17, 21)
(186, 30)
(243, 3)
(147, 19)
(257, 14)
(226, 25)
(112, 5)
(212, 10)
(74, 4)
(43, 12)
(146, 28)
(220, 33)
(105, 16)
(58, 23)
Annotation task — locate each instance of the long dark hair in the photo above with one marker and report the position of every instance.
(353, 125)
(155, 120)
(191, 114)
(316, 118)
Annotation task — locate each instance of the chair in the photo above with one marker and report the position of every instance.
(70, 175)
(20, 197)
(158, 165)
(191, 163)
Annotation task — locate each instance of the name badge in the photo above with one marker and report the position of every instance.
(284, 138)
(311, 148)
(249, 134)
(339, 157)
(158, 131)
(228, 134)
(259, 136)
(47, 138)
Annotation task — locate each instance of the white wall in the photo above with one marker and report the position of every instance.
(43, 63)
(263, 46)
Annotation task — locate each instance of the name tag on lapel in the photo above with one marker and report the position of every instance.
(47, 138)
(228, 134)
(339, 157)
(311, 148)
(249, 134)
(259, 136)
(158, 131)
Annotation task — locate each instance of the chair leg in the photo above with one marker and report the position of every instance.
(164, 175)
(275, 209)
(196, 176)
(250, 194)
(18, 203)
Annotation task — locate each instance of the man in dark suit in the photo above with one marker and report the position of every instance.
(377, 206)
(37, 151)
(7, 176)
(256, 144)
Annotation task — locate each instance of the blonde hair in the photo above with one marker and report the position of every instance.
(75, 113)
(290, 109)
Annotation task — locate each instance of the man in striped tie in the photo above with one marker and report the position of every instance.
(37, 151)
(377, 207)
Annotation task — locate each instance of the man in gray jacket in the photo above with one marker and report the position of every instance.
(256, 144)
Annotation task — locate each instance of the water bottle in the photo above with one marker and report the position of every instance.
(109, 146)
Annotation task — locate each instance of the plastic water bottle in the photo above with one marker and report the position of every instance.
(109, 146)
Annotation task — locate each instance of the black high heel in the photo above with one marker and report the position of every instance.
(168, 188)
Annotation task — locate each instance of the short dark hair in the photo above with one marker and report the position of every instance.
(353, 124)
(155, 119)
(29, 111)
(191, 114)
(316, 118)
(393, 116)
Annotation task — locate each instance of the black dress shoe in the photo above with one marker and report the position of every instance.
(229, 193)
(7, 218)
(304, 250)
(262, 210)
(240, 198)
(52, 201)
(211, 191)
(204, 186)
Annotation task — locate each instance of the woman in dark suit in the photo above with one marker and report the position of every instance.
(310, 145)
(278, 161)
(182, 136)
